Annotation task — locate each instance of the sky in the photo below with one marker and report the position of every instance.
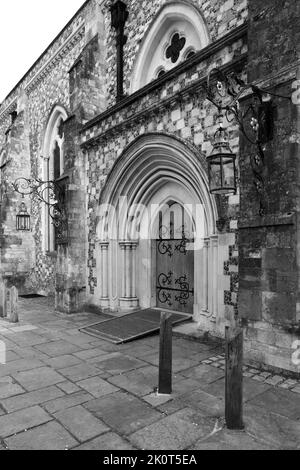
(27, 27)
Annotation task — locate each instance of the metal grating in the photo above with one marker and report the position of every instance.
(131, 326)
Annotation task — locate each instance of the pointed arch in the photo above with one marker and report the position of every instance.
(147, 164)
(180, 19)
(156, 170)
(53, 166)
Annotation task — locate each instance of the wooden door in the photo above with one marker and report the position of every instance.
(175, 261)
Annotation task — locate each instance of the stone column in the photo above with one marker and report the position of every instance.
(205, 275)
(214, 247)
(104, 296)
(128, 298)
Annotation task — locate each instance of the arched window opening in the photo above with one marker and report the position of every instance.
(174, 50)
(177, 32)
(160, 72)
(189, 54)
(54, 167)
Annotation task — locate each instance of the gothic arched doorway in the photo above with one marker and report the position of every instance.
(158, 182)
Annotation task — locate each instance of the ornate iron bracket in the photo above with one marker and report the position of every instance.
(256, 121)
(51, 193)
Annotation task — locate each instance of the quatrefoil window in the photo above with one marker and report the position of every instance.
(176, 46)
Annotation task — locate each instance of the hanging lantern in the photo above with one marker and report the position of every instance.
(23, 219)
(221, 165)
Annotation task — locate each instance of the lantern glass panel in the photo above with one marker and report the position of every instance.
(222, 174)
(228, 168)
(215, 174)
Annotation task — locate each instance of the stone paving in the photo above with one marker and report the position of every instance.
(63, 389)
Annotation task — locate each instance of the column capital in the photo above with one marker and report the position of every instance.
(130, 244)
(103, 243)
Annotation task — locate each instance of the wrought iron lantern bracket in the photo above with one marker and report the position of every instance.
(52, 194)
(255, 121)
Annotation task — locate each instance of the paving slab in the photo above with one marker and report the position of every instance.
(155, 399)
(81, 423)
(32, 398)
(280, 401)
(90, 353)
(119, 364)
(97, 387)
(61, 362)
(137, 348)
(195, 346)
(68, 387)
(251, 388)
(198, 400)
(271, 428)
(67, 401)
(19, 366)
(27, 338)
(50, 436)
(58, 348)
(123, 412)
(9, 388)
(109, 441)
(139, 382)
(79, 339)
(230, 440)
(79, 372)
(204, 373)
(11, 356)
(19, 421)
(184, 386)
(38, 378)
(175, 432)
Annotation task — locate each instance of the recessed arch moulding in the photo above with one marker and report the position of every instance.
(175, 18)
(153, 171)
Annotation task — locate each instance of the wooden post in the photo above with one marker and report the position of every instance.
(14, 297)
(165, 355)
(234, 378)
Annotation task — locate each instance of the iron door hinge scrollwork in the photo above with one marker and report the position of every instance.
(185, 291)
(164, 280)
(164, 292)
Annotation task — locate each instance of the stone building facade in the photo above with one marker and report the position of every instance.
(135, 174)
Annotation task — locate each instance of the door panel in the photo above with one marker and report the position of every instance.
(175, 275)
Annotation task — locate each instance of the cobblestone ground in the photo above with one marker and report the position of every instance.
(63, 389)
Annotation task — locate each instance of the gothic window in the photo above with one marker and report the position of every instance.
(174, 49)
(2, 169)
(189, 53)
(175, 35)
(54, 167)
(160, 72)
(56, 160)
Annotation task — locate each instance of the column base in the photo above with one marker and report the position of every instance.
(129, 303)
(104, 303)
